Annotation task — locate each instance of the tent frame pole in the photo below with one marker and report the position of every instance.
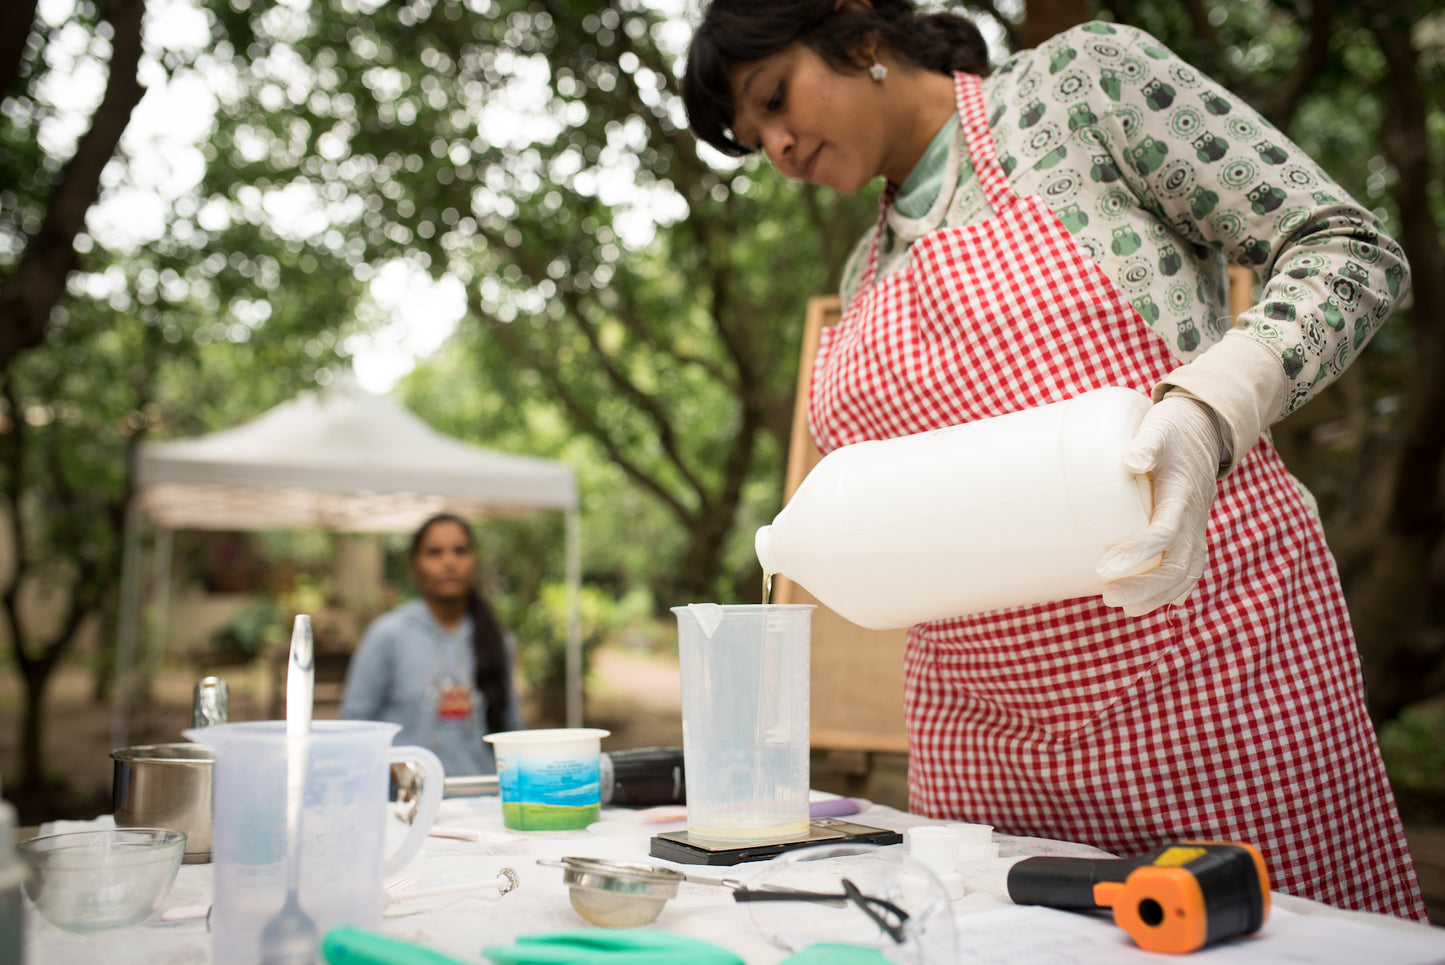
(574, 618)
(127, 632)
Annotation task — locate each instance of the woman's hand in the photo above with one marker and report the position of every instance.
(1180, 443)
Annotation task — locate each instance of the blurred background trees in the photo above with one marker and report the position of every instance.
(632, 303)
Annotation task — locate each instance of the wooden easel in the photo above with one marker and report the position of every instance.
(857, 674)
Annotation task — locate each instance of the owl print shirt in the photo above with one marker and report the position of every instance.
(1164, 178)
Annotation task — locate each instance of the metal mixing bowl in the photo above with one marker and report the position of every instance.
(165, 786)
(617, 894)
(86, 881)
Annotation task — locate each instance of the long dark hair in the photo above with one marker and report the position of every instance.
(744, 31)
(488, 647)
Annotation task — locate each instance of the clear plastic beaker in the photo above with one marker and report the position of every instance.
(745, 720)
(343, 860)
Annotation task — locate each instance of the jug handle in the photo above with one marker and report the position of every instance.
(432, 785)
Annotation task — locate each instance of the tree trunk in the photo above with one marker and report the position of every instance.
(30, 292)
(32, 756)
(16, 19)
(1402, 649)
(1046, 18)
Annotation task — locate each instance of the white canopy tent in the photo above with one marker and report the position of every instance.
(341, 459)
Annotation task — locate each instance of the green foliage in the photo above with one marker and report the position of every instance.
(634, 304)
(250, 632)
(541, 629)
(628, 304)
(1413, 746)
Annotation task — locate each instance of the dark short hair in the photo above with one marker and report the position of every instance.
(744, 31)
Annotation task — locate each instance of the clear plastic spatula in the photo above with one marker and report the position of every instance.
(290, 937)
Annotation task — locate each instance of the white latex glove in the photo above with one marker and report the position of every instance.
(1180, 443)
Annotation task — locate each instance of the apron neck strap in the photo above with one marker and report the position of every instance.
(973, 116)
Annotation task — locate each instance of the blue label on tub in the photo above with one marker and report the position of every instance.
(544, 779)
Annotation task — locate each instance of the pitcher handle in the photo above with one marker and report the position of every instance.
(432, 785)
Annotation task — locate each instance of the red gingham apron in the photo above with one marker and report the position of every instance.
(1236, 716)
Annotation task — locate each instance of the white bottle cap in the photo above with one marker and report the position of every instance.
(973, 833)
(763, 546)
(977, 852)
(934, 847)
(953, 884)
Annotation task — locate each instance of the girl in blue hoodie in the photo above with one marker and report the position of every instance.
(440, 666)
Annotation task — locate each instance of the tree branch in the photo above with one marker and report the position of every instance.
(584, 417)
(17, 17)
(1399, 643)
(644, 403)
(1307, 66)
(30, 292)
(13, 453)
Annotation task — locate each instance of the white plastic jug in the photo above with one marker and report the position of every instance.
(1013, 510)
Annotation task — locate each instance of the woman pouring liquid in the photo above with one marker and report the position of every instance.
(1062, 224)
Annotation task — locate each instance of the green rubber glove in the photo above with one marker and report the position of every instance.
(352, 946)
(611, 946)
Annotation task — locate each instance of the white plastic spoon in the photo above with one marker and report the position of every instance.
(290, 937)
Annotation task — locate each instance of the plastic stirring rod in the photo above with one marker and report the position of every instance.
(300, 679)
(290, 937)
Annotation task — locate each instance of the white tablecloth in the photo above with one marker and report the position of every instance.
(987, 928)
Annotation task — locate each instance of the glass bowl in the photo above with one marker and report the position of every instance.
(84, 881)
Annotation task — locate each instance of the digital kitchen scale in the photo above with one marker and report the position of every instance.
(677, 846)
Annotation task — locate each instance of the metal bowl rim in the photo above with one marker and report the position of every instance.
(623, 870)
(625, 879)
(146, 754)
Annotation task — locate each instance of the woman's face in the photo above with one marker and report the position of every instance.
(444, 564)
(813, 123)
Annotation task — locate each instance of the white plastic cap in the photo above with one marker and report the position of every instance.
(763, 545)
(977, 852)
(973, 833)
(936, 848)
(953, 884)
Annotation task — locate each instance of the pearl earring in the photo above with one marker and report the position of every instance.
(877, 72)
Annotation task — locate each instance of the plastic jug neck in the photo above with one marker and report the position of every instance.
(763, 546)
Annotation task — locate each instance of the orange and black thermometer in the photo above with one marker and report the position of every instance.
(1177, 898)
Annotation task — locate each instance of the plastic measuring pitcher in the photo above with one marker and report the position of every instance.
(745, 720)
(343, 826)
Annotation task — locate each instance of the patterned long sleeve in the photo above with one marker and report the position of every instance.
(1165, 178)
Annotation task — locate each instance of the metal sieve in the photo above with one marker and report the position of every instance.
(888, 897)
(620, 894)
